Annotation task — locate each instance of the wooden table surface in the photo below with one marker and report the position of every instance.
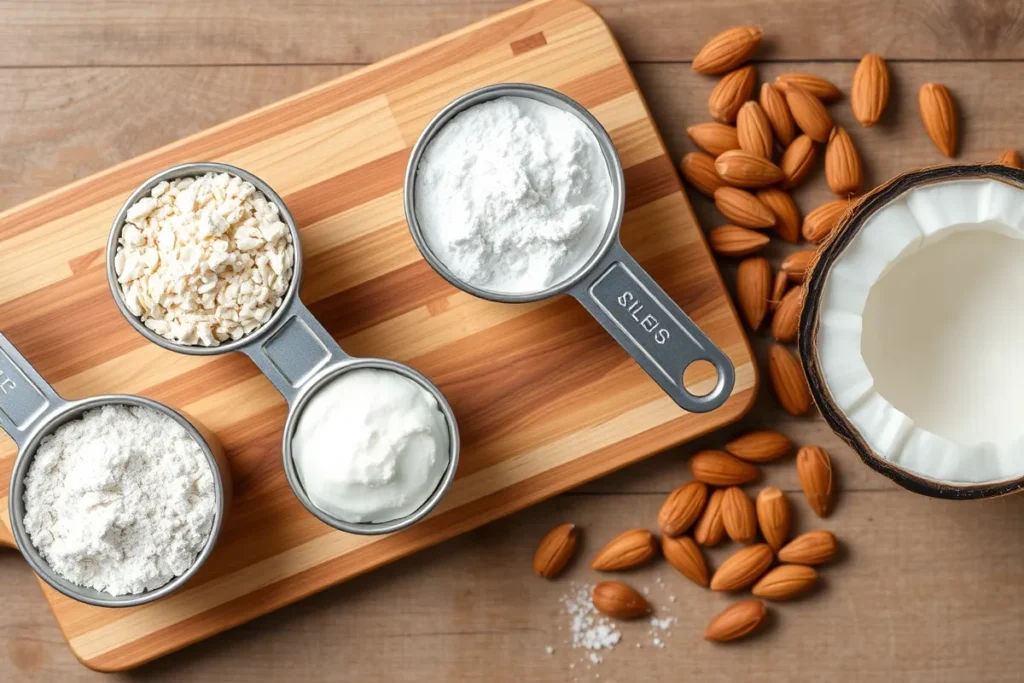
(926, 590)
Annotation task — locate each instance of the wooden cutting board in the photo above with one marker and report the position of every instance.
(544, 398)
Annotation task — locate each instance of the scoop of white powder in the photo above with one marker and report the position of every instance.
(120, 500)
(513, 195)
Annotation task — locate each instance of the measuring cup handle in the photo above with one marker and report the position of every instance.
(25, 397)
(653, 329)
(295, 350)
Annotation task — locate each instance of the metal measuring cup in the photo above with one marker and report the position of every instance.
(30, 410)
(611, 285)
(292, 349)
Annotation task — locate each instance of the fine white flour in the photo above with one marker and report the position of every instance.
(513, 195)
(121, 500)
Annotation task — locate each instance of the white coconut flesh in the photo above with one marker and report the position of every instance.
(920, 337)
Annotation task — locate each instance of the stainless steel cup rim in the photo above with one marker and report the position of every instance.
(184, 171)
(331, 373)
(546, 96)
(16, 504)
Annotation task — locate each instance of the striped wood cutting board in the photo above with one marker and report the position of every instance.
(544, 398)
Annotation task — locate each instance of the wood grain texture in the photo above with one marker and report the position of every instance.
(545, 400)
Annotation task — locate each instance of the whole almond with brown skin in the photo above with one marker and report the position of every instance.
(743, 169)
(843, 171)
(1011, 158)
(753, 287)
(788, 380)
(727, 50)
(808, 112)
(718, 468)
(814, 470)
(730, 93)
(698, 168)
(710, 530)
(736, 242)
(743, 208)
(798, 160)
(938, 113)
(787, 215)
(682, 508)
(820, 223)
(773, 103)
(870, 92)
(742, 568)
(754, 130)
(795, 265)
(779, 288)
(814, 547)
(736, 621)
(762, 446)
(739, 515)
(683, 554)
(823, 89)
(773, 517)
(785, 582)
(714, 137)
(786, 321)
(619, 601)
(555, 550)
(629, 549)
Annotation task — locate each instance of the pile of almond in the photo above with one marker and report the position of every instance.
(702, 513)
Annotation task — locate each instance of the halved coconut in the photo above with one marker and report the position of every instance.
(912, 332)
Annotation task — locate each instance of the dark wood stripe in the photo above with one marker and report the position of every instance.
(600, 86)
(649, 181)
(530, 42)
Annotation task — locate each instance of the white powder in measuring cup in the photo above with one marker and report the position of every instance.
(513, 195)
(121, 500)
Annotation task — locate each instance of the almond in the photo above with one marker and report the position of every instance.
(555, 550)
(718, 468)
(795, 265)
(619, 601)
(713, 137)
(773, 102)
(699, 171)
(787, 215)
(742, 568)
(785, 582)
(739, 516)
(773, 517)
(682, 508)
(823, 89)
(730, 93)
(820, 223)
(778, 291)
(1011, 158)
(808, 112)
(683, 554)
(870, 91)
(743, 208)
(743, 169)
(788, 380)
(765, 445)
(727, 50)
(629, 549)
(754, 130)
(814, 470)
(736, 242)
(843, 171)
(736, 621)
(753, 287)
(798, 160)
(786, 321)
(939, 116)
(710, 529)
(814, 547)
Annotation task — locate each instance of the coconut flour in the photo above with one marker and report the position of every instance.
(121, 500)
(513, 195)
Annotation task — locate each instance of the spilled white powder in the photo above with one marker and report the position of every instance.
(120, 500)
(513, 195)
